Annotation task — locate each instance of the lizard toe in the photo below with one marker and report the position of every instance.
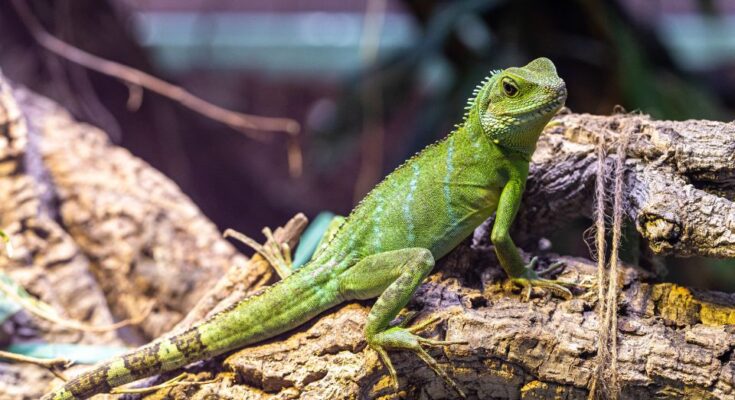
(399, 338)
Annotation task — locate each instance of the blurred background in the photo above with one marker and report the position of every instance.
(369, 81)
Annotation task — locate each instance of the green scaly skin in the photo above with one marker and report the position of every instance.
(388, 244)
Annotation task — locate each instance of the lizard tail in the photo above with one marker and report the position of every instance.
(281, 307)
(161, 355)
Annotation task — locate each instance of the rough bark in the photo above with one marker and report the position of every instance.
(674, 343)
(680, 180)
(100, 233)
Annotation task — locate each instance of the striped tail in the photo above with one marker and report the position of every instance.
(161, 355)
(280, 308)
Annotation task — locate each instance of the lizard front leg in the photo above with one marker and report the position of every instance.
(393, 277)
(508, 255)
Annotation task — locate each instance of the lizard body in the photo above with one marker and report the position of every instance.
(387, 245)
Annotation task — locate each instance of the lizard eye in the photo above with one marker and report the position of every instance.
(510, 88)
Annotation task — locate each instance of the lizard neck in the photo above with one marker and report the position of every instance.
(474, 131)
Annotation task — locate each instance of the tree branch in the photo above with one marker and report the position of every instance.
(673, 343)
(246, 123)
(679, 189)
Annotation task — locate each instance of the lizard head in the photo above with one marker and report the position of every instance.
(514, 105)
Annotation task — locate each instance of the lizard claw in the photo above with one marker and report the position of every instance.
(400, 338)
(531, 278)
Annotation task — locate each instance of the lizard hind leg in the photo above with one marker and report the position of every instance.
(393, 277)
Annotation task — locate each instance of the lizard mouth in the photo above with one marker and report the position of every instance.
(551, 107)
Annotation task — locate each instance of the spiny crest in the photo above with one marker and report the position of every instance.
(471, 101)
(377, 188)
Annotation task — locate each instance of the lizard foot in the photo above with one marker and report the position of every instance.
(277, 254)
(531, 278)
(400, 338)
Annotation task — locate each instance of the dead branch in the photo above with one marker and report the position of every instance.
(54, 365)
(679, 181)
(44, 311)
(246, 123)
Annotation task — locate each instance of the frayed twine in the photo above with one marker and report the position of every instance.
(604, 383)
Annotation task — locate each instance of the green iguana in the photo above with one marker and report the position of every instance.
(387, 245)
